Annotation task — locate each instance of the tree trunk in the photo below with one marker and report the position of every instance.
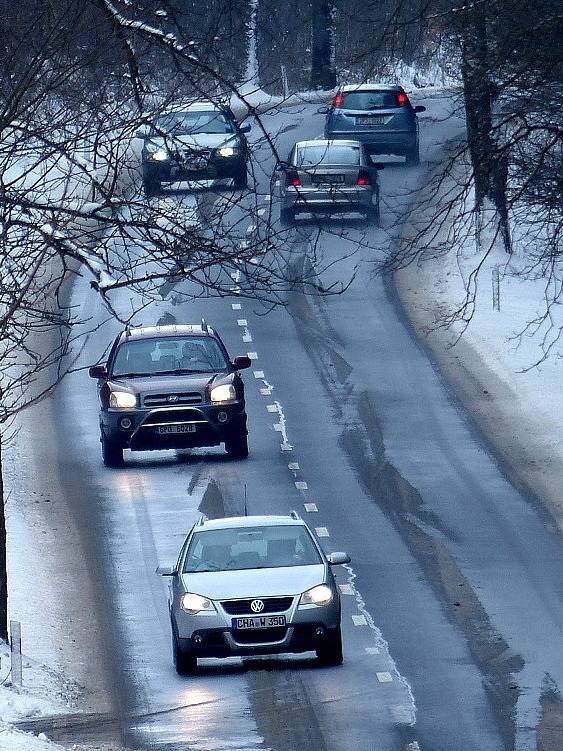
(3, 571)
(489, 161)
(323, 71)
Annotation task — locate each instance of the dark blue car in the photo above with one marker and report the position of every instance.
(378, 115)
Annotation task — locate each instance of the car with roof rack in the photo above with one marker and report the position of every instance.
(252, 585)
(170, 387)
(380, 116)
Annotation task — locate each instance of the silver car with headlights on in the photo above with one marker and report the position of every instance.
(253, 585)
(326, 177)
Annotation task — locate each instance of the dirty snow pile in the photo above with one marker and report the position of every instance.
(43, 693)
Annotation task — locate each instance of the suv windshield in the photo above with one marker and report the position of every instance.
(310, 156)
(369, 100)
(187, 123)
(250, 547)
(170, 354)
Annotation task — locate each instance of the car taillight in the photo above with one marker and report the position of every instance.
(292, 179)
(363, 178)
(402, 99)
(338, 100)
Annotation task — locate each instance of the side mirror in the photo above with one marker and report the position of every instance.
(245, 128)
(98, 371)
(337, 559)
(420, 108)
(166, 571)
(323, 110)
(242, 362)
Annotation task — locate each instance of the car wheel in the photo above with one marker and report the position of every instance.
(331, 651)
(151, 186)
(413, 156)
(241, 179)
(237, 448)
(184, 662)
(372, 214)
(287, 217)
(112, 453)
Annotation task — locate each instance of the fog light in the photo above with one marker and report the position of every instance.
(222, 417)
(198, 640)
(319, 631)
(125, 423)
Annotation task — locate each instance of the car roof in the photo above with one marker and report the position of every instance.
(149, 332)
(371, 87)
(201, 106)
(240, 522)
(329, 142)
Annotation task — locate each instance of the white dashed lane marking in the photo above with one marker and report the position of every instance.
(384, 677)
(236, 306)
(271, 407)
(293, 466)
(252, 355)
(247, 337)
(322, 532)
(242, 322)
(258, 373)
(346, 589)
(372, 650)
(310, 508)
(278, 426)
(266, 392)
(359, 620)
(300, 485)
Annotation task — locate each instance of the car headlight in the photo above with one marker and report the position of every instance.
(224, 393)
(228, 151)
(192, 603)
(319, 595)
(160, 155)
(122, 400)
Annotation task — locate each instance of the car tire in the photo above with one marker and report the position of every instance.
(241, 179)
(237, 448)
(151, 186)
(287, 217)
(413, 156)
(331, 651)
(373, 215)
(112, 453)
(184, 662)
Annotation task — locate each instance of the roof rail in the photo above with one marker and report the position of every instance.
(294, 515)
(200, 521)
(204, 326)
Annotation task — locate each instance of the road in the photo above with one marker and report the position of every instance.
(453, 603)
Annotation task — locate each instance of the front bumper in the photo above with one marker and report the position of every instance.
(305, 199)
(212, 635)
(144, 432)
(214, 169)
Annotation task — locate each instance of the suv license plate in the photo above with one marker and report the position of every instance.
(176, 429)
(371, 120)
(263, 621)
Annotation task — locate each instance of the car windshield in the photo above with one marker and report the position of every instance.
(245, 548)
(369, 100)
(188, 123)
(170, 354)
(311, 156)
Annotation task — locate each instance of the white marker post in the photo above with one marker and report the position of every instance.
(16, 652)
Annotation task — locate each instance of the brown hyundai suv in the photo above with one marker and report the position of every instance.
(170, 387)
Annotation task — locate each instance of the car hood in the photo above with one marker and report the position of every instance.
(198, 140)
(183, 381)
(267, 582)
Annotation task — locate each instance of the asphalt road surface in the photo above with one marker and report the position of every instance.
(453, 602)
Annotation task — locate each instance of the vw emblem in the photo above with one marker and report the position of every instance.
(257, 606)
(172, 398)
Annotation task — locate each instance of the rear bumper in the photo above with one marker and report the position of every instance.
(340, 199)
(144, 435)
(383, 142)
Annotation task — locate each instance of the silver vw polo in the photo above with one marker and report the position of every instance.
(253, 585)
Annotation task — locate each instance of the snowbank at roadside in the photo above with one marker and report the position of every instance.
(517, 407)
(43, 693)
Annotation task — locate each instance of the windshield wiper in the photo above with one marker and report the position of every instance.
(129, 375)
(179, 371)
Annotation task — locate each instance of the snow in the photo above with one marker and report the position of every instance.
(43, 693)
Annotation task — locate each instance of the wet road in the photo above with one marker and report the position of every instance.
(453, 603)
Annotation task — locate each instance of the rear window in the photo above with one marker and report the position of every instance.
(311, 156)
(369, 100)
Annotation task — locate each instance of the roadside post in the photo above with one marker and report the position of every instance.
(16, 652)
(496, 287)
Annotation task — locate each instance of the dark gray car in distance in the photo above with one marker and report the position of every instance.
(378, 115)
(195, 141)
(170, 387)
